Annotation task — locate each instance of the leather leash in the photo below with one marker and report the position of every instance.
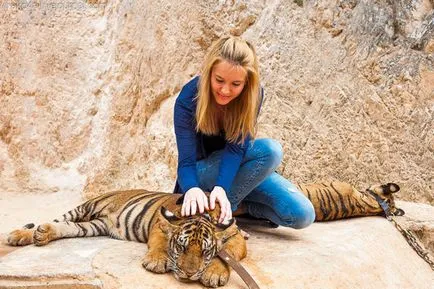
(247, 278)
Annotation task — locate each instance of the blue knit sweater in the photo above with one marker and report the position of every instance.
(194, 146)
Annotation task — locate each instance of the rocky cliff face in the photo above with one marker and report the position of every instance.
(87, 89)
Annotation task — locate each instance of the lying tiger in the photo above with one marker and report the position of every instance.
(188, 246)
(338, 200)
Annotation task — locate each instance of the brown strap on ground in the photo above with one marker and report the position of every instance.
(247, 278)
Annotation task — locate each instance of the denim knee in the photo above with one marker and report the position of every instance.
(299, 218)
(271, 151)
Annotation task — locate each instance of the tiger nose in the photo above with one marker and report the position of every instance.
(190, 272)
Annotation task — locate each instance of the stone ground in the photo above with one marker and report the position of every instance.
(356, 253)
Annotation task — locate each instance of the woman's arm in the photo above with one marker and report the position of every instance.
(185, 133)
(230, 163)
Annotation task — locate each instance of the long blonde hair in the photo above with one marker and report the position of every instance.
(240, 114)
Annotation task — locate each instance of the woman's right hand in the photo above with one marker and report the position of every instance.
(194, 199)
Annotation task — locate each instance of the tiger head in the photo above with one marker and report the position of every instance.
(194, 241)
(384, 193)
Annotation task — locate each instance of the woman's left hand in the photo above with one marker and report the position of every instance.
(219, 194)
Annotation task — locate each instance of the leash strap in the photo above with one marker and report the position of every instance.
(383, 204)
(247, 278)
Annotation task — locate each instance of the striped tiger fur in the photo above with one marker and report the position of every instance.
(338, 200)
(187, 246)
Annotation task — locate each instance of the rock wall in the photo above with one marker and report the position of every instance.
(87, 89)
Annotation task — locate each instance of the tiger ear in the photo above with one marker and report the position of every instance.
(224, 231)
(167, 221)
(390, 188)
(225, 224)
(168, 215)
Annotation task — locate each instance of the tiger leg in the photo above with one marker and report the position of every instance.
(217, 273)
(156, 259)
(88, 210)
(78, 214)
(24, 236)
(81, 213)
(48, 232)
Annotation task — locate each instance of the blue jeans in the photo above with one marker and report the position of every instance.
(265, 193)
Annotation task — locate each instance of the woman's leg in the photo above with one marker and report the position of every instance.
(265, 193)
(279, 201)
(260, 160)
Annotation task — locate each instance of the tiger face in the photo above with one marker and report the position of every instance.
(193, 242)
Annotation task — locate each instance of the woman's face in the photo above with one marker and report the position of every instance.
(227, 82)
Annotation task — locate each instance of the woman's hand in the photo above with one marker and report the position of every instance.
(194, 199)
(219, 194)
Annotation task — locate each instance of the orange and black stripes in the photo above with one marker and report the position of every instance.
(86, 211)
(338, 200)
(124, 215)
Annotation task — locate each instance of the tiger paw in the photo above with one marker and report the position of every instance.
(44, 234)
(155, 262)
(217, 274)
(20, 237)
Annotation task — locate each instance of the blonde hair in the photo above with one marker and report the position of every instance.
(240, 114)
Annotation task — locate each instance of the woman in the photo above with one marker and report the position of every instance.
(215, 116)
